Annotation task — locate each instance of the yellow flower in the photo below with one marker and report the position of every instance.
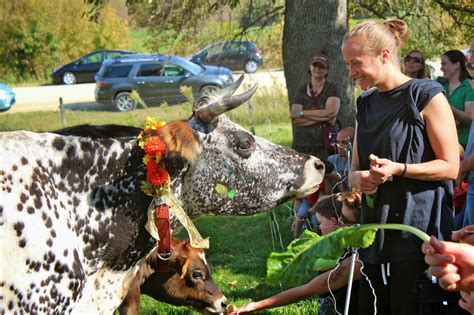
(146, 159)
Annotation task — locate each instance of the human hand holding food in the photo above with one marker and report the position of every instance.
(382, 170)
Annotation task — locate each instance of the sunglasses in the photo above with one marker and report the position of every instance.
(414, 59)
(319, 65)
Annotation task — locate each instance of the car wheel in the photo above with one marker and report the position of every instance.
(207, 90)
(69, 78)
(250, 66)
(124, 102)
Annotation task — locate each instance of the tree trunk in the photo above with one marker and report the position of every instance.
(311, 27)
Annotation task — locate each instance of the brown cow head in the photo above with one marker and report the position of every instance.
(187, 283)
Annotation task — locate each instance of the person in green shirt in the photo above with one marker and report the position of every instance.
(458, 90)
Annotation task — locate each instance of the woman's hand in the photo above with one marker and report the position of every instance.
(364, 181)
(382, 170)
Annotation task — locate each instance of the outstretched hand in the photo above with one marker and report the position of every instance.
(244, 309)
(452, 263)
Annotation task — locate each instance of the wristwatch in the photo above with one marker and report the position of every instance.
(301, 113)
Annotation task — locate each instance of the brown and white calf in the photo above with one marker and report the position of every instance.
(72, 214)
(187, 282)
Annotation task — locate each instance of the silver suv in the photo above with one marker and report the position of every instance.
(156, 78)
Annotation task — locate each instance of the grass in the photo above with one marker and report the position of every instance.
(238, 260)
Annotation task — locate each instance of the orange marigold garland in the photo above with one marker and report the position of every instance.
(157, 177)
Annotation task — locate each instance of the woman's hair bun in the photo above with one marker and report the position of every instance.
(399, 29)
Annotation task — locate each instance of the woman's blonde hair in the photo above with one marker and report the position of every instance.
(376, 36)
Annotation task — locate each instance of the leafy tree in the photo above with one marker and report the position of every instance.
(435, 25)
(33, 40)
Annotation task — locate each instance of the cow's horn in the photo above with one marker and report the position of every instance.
(209, 112)
(228, 91)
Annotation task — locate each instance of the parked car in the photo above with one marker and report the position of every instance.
(7, 97)
(85, 68)
(236, 55)
(156, 78)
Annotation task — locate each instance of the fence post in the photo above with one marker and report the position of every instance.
(61, 108)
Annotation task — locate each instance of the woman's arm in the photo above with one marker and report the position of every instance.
(461, 117)
(313, 116)
(441, 131)
(319, 285)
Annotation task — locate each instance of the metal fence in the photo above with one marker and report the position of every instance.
(269, 98)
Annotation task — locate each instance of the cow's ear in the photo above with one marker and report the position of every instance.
(180, 140)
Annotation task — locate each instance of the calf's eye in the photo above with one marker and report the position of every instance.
(197, 275)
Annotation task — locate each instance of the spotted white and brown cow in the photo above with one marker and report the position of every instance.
(72, 215)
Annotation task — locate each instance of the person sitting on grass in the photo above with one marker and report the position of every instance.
(334, 211)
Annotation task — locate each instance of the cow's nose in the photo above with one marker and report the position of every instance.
(224, 303)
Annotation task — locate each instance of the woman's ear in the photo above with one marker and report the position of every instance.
(385, 54)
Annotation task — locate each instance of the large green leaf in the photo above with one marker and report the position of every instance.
(311, 253)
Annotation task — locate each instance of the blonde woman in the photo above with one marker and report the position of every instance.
(408, 127)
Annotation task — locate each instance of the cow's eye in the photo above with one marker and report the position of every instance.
(245, 144)
(197, 275)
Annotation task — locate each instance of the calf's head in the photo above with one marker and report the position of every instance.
(188, 281)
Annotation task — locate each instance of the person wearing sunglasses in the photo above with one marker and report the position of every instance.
(341, 160)
(414, 65)
(315, 105)
(458, 91)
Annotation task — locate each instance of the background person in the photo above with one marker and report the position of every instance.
(466, 169)
(316, 103)
(344, 140)
(409, 123)
(414, 65)
(453, 65)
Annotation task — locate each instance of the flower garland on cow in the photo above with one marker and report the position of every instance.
(157, 185)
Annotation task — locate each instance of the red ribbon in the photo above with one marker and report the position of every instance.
(162, 222)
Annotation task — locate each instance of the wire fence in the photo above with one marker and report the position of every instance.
(130, 108)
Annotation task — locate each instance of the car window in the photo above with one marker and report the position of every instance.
(173, 70)
(216, 49)
(150, 70)
(235, 47)
(118, 71)
(93, 58)
(112, 54)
